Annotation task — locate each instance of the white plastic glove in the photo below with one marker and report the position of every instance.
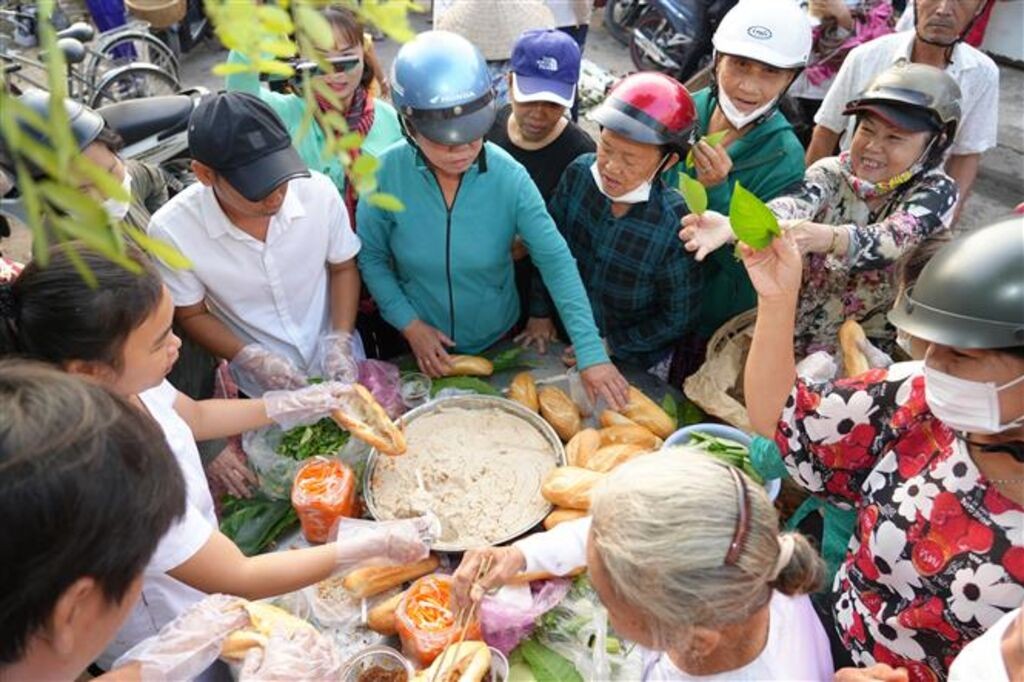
(306, 405)
(877, 359)
(336, 360)
(190, 643)
(394, 542)
(255, 365)
(705, 233)
(302, 654)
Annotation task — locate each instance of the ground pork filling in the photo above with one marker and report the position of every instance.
(480, 469)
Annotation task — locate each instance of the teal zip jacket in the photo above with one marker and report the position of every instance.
(453, 268)
(311, 143)
(766, 160)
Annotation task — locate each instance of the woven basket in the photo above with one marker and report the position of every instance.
(159, 13)
(717, 387)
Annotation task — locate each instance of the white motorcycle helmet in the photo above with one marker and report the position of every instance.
(776, 32)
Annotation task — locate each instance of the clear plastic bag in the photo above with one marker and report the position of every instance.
(426, 619)
(383, 380)
(506, 619)
(276, 472)
(324, 491)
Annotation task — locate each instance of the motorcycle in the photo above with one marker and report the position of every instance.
(674, 36)
(154, 129)
(621, 15)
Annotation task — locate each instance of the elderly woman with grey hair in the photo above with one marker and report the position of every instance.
(685, 553)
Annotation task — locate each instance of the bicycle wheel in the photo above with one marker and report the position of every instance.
(125, 47)
(133, 81)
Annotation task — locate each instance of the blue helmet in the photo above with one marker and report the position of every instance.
(440, 84)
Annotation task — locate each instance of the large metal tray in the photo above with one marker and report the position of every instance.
(472, 402)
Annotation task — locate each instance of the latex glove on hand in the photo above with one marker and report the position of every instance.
(705, 233)
(255, 365)
(307, 405)
(469, 587)
(336, 360)
(877, 359)
(395, 542)
(302, 654)
(190, 643)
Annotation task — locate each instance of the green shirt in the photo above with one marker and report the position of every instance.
(766, 160)
(310, 145)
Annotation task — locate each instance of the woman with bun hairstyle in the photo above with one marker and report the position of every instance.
(686, 555)
(118, 334)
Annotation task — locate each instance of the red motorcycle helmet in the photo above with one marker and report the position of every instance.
(650, 108)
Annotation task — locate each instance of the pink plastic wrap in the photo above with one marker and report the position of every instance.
(505, 625)
(383, 381)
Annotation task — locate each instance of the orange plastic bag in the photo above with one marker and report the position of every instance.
(426, 620)
(323, 491)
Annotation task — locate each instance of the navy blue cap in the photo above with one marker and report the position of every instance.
(242, 138)
(545, 67)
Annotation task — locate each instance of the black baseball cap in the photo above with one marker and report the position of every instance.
(240, 137)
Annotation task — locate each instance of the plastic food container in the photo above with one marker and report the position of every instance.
(415, 389)
(681, 437)
(382, 660)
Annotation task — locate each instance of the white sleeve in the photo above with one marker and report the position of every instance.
(559, 550)
(842, 90)
(980, 122)
(185, 287)
(906, 20)
(342, 242)
(181, 542)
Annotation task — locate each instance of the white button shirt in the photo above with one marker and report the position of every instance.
(974, 71)
(275, 292)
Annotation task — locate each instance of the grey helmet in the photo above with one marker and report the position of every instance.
(915, 97)
(971, 294)
(86, 123)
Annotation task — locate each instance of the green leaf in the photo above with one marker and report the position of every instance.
(387, 202)
(508, 359)
(275, 68)
(671, 407)
(548, 665)
(275, 19)
(315, 27)
(162, 250)
(79, 205)
(694, 193)
(350, 141)
(713, 139)
(278, 47)
(364, 165)
(752, 221)
(465, 383)
(231, 69)
(690, 414)
(254, 523)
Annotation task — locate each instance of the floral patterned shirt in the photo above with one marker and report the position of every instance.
(860, 286)
(938, 552)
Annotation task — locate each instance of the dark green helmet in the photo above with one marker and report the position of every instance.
(971, 294)
(914, 97)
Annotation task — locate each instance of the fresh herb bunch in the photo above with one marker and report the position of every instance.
(323, 438)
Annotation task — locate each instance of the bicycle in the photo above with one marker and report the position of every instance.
(86, 81)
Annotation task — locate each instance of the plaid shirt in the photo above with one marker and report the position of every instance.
(643, 286)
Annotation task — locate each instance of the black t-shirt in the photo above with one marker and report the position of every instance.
(544, 165)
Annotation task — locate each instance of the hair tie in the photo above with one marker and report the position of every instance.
(787, 544)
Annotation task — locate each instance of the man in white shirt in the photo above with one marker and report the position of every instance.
(273, 285)
(935, 40)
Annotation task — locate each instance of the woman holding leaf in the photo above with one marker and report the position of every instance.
(760, 47)
(347, 92)
(855, 215)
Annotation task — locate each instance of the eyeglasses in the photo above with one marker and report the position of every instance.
(345, 64)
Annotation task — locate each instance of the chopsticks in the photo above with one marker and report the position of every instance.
(462, 621)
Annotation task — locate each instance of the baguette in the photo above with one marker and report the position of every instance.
(368, 422)
(523, 390)
(264, 619)
(561, 516)
(366, 582)
(570, 487)
(610, 418)
(614, 435)
(582, 446)
(472, 665)
(559, 411)
(648, 414)
(529, 577)
(611, 456)
(381, 618)
(470, 366)
(851, 335)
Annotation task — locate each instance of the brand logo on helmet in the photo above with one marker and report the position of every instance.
(759, 32)
(446, 97)
(547, 64)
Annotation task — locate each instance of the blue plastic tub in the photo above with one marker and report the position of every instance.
(682, 437)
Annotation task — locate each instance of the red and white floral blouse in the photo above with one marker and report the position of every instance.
(938, 553)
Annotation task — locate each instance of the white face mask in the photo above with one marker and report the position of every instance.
(969, 406)
(637, 195)
(736, 117)
(903, 341)
(117, 210)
